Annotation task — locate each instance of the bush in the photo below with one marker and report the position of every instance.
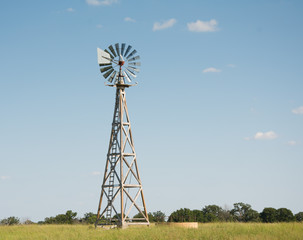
(89, 218)
(139, 215)
(27, 222)
(68, 218)
(158, 216)
(299, 217)
(10, 221)
(183, 215)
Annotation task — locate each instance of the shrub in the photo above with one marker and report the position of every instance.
(10, 221)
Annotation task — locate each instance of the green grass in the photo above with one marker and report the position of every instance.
(215, 231)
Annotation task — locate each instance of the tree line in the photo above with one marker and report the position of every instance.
(241, 212)
(70, 217)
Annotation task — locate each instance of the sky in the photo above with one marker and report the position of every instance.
(217, 115)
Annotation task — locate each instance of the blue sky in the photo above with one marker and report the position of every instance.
(217, 115)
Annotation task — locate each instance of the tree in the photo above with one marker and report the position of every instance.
(299, 216)
(225, 216)
(268, 215)
(48, 220)
(10, 221)
(244, 213)
(68, 218)
(27, 222)
(214, 213)
(285, 215)
(89, 218)
(150, 217)
(182, 215)
(117, 216)
(139, 215)
(158, 216)
(211, 213)
(198, 216)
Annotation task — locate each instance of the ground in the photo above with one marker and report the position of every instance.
(235, 231)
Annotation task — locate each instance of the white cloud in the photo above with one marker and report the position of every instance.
(201, 26)
(96, 173)
(166, 24)
(247, 138)
(298, 110)
(70, 10)
(101, 2)
(292, 143)
(265, 135)
(211, 69)
(128, 19)
(4, 177)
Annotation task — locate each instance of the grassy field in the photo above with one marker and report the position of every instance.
(243, 231)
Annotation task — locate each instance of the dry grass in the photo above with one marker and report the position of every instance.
(215, 231)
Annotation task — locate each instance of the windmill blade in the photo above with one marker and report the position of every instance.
(117, 48)
(127, 50)
(103, 57)
(134, 58)
(112, 50)
(126, 76)
(129, 77)
(108, 73)
(105, 69)
(111, 56)
(135, 63)
(131, 54)
(105, 64)
(111, 78)
(134, 69)
(122, 48)
(131, 73)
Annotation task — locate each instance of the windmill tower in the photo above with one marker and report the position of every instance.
(122, 200)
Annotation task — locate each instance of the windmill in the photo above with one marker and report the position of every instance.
(121, 191)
